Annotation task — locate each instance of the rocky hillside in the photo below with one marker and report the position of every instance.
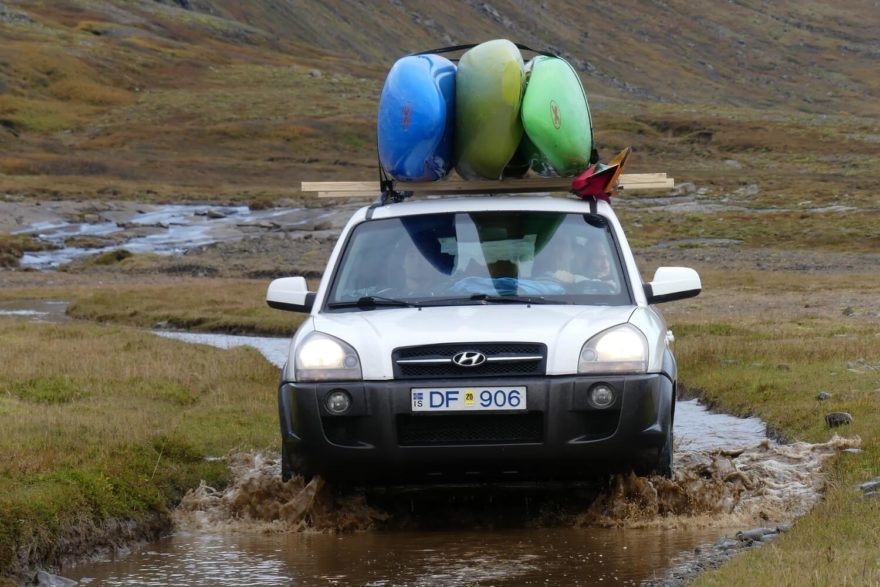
(200, 98)
(809, 55)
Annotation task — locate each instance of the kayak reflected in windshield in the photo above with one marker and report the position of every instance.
(472, 258)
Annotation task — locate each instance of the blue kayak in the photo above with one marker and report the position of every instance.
(417, 117)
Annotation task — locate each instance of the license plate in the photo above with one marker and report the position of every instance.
(468, 399)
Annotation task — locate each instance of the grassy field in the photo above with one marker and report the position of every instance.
(231, 306)
(108, 425)
(766, 344)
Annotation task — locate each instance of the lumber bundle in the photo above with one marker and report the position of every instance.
(628, 182)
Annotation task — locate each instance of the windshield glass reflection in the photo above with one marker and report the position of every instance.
(457, 258)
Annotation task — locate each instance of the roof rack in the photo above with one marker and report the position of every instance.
(628, 182)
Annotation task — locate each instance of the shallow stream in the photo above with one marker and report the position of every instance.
(168, 229)
(625, 531)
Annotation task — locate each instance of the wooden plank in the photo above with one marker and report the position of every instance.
(364, 194)
(642, 177)
(356, 189)
(660, 185)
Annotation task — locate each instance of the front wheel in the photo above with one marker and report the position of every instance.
(664, 459)
(663, 465)
(293, 463)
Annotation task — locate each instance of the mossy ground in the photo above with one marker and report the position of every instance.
(105, 423)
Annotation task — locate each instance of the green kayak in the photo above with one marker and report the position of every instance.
(556, 116)
(488, 93)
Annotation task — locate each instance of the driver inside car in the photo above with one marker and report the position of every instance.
(571, 263)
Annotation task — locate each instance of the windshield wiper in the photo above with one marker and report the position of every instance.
(374, 301)
(491, 299)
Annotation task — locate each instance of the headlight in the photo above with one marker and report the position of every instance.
(321, 357)
(622, 349)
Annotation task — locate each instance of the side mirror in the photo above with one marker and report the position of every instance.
(291, 294)
(672, 283)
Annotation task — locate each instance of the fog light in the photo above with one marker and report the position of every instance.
(601, 396)
(337, 401)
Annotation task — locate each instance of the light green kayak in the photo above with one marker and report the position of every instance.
(488, 94)
(556, 115)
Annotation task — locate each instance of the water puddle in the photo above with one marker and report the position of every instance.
(274, 349)
(554, 556)
(52, 311)
(260, 531)
(165, 230)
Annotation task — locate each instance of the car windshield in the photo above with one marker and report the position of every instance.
(479, 258)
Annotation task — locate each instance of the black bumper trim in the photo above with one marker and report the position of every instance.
(365, 446)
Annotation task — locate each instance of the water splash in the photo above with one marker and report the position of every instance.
(763, 483)
(768, 482)
(258, 500)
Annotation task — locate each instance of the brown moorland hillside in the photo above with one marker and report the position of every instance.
(197, 99)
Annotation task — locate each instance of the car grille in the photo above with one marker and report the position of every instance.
(470, 429)
(502, 360)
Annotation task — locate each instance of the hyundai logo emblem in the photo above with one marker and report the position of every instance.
(469, 359)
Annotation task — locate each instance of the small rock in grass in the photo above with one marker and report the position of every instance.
(726, 544)
(823, 395)
(755, 534)
(869, 486)
(783, 367)
(835, 419)
(684, 188)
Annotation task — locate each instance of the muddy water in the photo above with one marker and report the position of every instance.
(461, 557)
(624, 530)
(53, 311)
(628, 530)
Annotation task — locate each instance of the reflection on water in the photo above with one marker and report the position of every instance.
(53, 311)
(558, 556)
(274, 349)
(697, 429)
(172, 229)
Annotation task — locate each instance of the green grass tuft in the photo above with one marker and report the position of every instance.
(46, 390)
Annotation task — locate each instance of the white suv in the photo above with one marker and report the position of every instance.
(476, 339)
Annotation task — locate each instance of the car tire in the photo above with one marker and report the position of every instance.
(293, 463)
(663, 465)
(664, 459)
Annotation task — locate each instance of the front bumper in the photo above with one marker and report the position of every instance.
(561, 437)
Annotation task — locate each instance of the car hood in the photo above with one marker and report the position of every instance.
(563, 328)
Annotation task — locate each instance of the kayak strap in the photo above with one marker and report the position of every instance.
(387, 192)
(454, 48)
